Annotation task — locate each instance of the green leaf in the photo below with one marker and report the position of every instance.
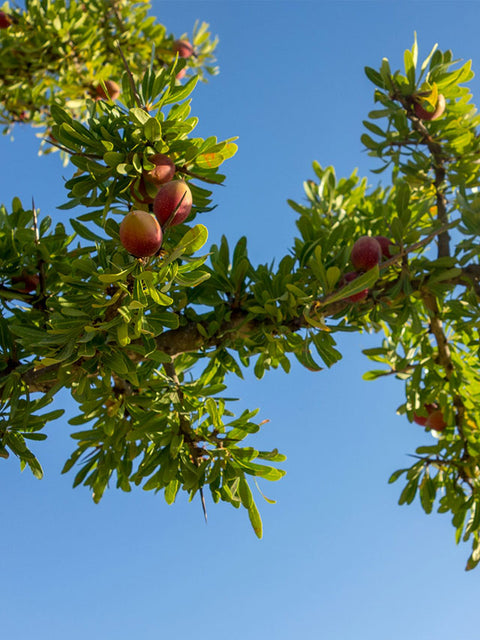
(364, 281)
(255, 520)
(374, 77)
(139, 116)
(171, 491)
(84, 232)
(152, 130)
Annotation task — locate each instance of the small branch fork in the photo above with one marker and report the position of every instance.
(446, 464)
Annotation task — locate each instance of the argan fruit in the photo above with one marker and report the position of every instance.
(356, 297)
(113, 90)
(183, 48)
(422, 420)
(5, 20)
(436, 421)
(140, 234)
(141, 192)
(385, 245)
(423, 114)
(162, 172)
(173, 203)
(366, 253)
(27, 282)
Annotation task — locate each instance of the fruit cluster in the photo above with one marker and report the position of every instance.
(141, 233)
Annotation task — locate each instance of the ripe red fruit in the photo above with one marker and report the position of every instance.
(141, 234)
(5, 20)
(183, 48)
(356, 297)
(163, 171)
(175, 196)
(422, 420)
(385, 244)
(436, 421)
(423, 114)
(141, 192)
(113, 90)
(27, 282)
(366, 253)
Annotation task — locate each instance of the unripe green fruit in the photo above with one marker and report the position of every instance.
(162, 172)
(423, 114)
(113, 90)
(183, 48)
(366, 253)
(173, 203)
(140, 234)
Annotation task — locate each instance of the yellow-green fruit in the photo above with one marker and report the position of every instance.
(140, 234)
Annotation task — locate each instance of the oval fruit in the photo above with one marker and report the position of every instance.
(385, 245)
(141, 234)
(436, 421)
(113, 90)
(162, 172)
(366, 253)
(423, 114)
(183, 48)
(5, 20)
(356, 297)
(173, 203)
(27, 281)
(141, 192)
(422, 419)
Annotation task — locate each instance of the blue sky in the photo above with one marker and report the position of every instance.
(339, 559)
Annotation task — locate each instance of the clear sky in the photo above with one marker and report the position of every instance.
(340, 560)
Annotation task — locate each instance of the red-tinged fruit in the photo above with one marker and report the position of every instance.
(112, 90)
(385, 245)
(356, 297)
(142, 192)
(173, 203)
(436, 421)
(141, 234)
(5, 20)
(26, 282)
(183, 48)
(366, 253)
(423, 114)
(162, 172)
(181, 74)
(422, 419)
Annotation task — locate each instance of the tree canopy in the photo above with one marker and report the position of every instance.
(145, 344)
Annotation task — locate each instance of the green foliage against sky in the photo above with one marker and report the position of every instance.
(145, 345)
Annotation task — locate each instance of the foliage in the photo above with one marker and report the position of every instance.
(145, 345)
